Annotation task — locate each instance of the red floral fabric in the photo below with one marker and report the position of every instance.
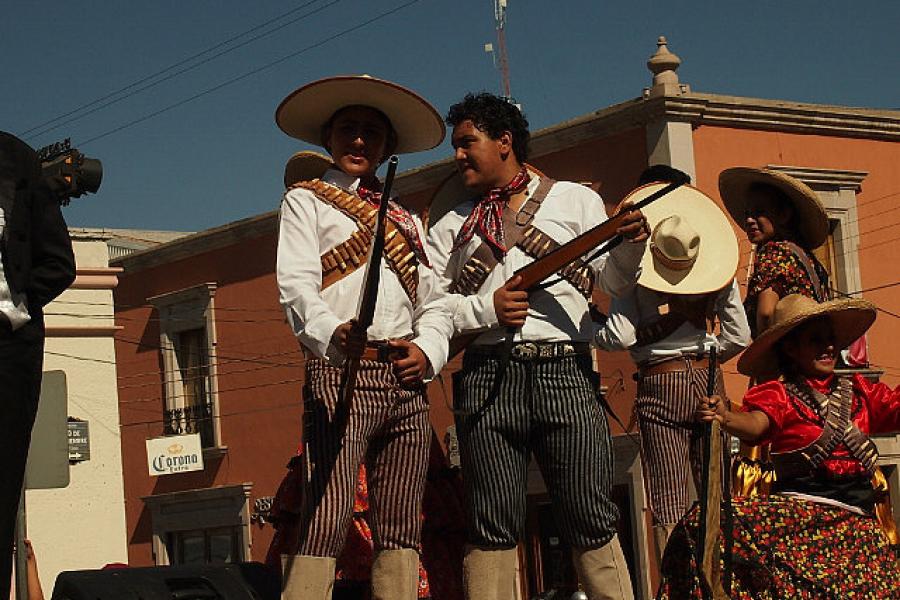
(777, 267)
(794, 425)
(787, 547)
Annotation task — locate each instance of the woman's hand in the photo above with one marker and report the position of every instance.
(711, 409)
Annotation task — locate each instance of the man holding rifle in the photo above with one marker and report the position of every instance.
(527, 383)
(326, 229)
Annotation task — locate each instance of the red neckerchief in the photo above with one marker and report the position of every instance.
(400, 217)
(487, 216)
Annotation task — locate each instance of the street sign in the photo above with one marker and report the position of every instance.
(48, 456)
(79, 441)
(174, 454)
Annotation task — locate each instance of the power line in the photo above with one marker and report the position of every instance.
(247, 74)
(176, 65)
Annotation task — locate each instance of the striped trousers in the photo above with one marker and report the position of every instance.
(388, 428)
(546, 407)
(670, 440)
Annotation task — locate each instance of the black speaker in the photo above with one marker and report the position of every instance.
(237, 581)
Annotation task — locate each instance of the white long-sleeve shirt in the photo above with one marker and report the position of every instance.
(558, 313)
(641, 306)
(309, 227)
(13, 306)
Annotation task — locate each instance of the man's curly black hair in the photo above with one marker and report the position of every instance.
(493, 115)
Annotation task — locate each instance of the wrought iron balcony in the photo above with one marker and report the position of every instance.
(197, 418)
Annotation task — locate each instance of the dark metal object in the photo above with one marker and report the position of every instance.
(366, 313)
(68, 172)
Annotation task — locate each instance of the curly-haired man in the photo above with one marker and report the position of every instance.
(537, 396)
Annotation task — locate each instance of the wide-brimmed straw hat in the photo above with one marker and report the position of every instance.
(304, 166)
(812, 220)
(303, 113)
(451, 191)
(850, 318)
(692, 247)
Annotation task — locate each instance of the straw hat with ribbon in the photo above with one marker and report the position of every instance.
(303, 113)
(304, 166)
(850, 318)
(812, 221)
(692, 247)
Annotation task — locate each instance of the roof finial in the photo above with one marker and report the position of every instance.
(663, 65)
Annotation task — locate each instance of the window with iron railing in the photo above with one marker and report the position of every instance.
(187, 343)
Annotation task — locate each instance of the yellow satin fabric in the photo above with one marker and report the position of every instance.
(753, 475)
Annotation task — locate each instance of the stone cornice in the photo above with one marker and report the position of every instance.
(204, 241)
(824, 177)
(782, 115)
(64, 331)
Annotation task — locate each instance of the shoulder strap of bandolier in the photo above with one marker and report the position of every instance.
(700, 312)
(349, 255)
(485, 258)
(836, 412)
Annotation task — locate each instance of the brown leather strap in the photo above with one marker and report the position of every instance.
(476, 270)
(681, 311)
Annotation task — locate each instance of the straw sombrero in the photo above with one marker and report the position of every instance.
(850, 318)
(304, 166)
(303, 113)
(811, 217)
(451, 191)
(692, 247)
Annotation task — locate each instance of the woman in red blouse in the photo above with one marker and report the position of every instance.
(816, 535)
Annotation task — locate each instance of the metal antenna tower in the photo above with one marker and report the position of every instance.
(500, 59)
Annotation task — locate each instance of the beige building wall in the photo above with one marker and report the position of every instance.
(82, 526)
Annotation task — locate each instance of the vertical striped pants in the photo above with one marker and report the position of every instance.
(388, 428)
(546, 407)
(670, 441)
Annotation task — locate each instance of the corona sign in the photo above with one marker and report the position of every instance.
(174, 454)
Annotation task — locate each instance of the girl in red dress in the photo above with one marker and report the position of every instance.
(816, 535)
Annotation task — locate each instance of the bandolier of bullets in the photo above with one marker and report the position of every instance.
(469, 281)
(349, 255)
(538, 244)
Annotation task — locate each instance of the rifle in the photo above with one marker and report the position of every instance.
(708, 553)
(601, 238)
(366, 313)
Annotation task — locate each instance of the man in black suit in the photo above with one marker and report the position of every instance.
(36, 265)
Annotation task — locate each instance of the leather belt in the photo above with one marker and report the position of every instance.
(533, 350)
(676, 364)
(379, 351)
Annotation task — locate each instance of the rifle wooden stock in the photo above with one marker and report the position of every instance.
(710, 523)
(537, 271)
(369, 297)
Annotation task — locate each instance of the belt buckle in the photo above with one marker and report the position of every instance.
(526, 350)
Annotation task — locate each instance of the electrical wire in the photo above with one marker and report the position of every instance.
(175, 66)
(247, 74)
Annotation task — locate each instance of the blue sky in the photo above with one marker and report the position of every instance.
(219, 156)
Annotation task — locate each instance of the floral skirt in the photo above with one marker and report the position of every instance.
(786, 547)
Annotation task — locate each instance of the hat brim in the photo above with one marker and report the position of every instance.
(305, 166)
(717, 258)
(451, 191)
(416, 122)
(812, 219)
(850, 319)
